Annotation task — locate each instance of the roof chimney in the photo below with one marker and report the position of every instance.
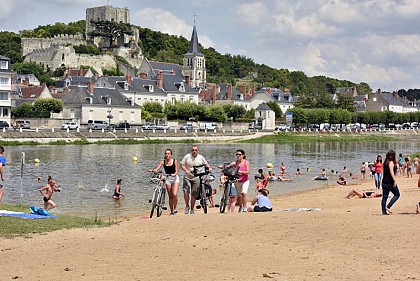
(160, 79)
(243, 89)
(90, 88)
(252, 92)
(395, 95)
(187, 80)
(128, 79)
(214, 94)
(229, 91)
(143, 75)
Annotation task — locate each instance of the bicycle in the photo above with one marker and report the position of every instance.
(204, 190)
(231, 173)
(159, 192)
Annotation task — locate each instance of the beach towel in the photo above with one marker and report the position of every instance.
(6, 213)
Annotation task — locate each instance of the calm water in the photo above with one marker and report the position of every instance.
(88, 173)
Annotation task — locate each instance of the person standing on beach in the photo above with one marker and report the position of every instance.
(170, 166)
(2, 164)
(389, 182)
(408, 162)
(378, 171)
(191, 182)
(416, 163)
(47, 192)
(363, 170)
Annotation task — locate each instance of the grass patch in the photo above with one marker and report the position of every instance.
(292, 137)
(14, 227)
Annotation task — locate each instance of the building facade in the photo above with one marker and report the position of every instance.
(5, 89)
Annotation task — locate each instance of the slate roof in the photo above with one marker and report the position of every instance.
(79, 96)
(31, 78)
(389, 97)
(166, 68)
(194, 46)
(223, 94)
(140, 86)
(263, 106)
(9, 65)
(74, 81)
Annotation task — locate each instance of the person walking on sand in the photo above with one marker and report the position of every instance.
(191, 182)
(170, 166)
(409, 162)
(389, 183)
(47, 192)
(117, 191)
(242, 185)
(378, 171)
(2, 164)
(363, 170)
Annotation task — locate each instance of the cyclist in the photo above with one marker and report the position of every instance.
(191, 182)
(170, 166)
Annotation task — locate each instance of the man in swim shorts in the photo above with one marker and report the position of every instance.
(47, 192)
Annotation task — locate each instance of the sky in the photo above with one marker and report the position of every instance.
(371, 41)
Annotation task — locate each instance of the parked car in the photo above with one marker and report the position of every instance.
(70, 126)
(24, 124)
(208, 126)
(148, 126)
(122, 126)
(162, 127)
(406, 126)
(4, 124)
(188, 127)
(98, 125)
(281, 128)
(253, 126)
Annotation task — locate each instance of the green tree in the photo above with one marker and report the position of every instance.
(153, 107)
(300, 116)
(111, 30)
(48, 105)
(276, 108)
(233, 110)
(24, 110)
(346, 102)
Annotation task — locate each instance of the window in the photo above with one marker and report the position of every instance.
(5, 112)
(120, 115)
(132, 116)
(4, 95)
(173, 100)
(4, 81)
(191, 99)
(4, 64)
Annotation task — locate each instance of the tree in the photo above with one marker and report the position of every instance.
(111, 30)
(48, 105)
(233, 110)
(300, 115)
(276, 108)
(346, 102)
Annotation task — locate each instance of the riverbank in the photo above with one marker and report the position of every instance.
(347, 239)
(137, 136)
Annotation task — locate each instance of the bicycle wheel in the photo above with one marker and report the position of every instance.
(154, 199)
(225, 198)
(161, 203)
(203, 198)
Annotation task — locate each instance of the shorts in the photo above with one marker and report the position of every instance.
(242, 187)
(233, 191)
(171, 180)
(190, 185)
(262, 209)
(46, 199)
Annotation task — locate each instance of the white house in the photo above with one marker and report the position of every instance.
(5, 89)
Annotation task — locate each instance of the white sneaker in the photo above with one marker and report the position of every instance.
(192, 212)
(187, 210)
(244, 209)
(175, 211)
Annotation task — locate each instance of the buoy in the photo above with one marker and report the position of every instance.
(269, 165)
(36, 160)
(135, 158)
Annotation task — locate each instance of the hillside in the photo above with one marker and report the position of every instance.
(221, 68)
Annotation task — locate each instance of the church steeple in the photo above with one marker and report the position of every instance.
(194, 46)
(194, 62)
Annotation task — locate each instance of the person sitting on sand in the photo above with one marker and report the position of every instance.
(363, 194)
(353, 177)
(261, 203)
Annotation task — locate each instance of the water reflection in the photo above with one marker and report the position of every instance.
(87, 173)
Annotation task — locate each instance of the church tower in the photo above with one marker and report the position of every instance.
(195, 63)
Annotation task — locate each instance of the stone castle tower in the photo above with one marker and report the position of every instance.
(108, 13)
(194, 63)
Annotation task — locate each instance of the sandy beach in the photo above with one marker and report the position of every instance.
(348, 239)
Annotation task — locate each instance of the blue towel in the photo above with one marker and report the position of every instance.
(27, 216)
(39, 211)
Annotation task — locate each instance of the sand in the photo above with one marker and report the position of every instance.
(348, 239)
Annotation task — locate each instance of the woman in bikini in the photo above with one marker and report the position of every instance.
(362, 194)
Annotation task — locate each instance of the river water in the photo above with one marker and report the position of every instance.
(88, 173)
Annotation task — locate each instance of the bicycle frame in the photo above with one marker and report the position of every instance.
(158, 197)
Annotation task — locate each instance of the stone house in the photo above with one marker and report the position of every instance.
(97, 103)
(28, 94)
(382, 101)
(265, 116)
(6, 75)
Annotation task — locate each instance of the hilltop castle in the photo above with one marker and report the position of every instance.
(58, 51)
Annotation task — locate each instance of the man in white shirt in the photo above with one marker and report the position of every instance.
(191, 182)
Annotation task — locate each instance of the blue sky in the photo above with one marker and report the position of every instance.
(372, 41)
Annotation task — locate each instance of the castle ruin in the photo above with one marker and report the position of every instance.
(58, 52)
